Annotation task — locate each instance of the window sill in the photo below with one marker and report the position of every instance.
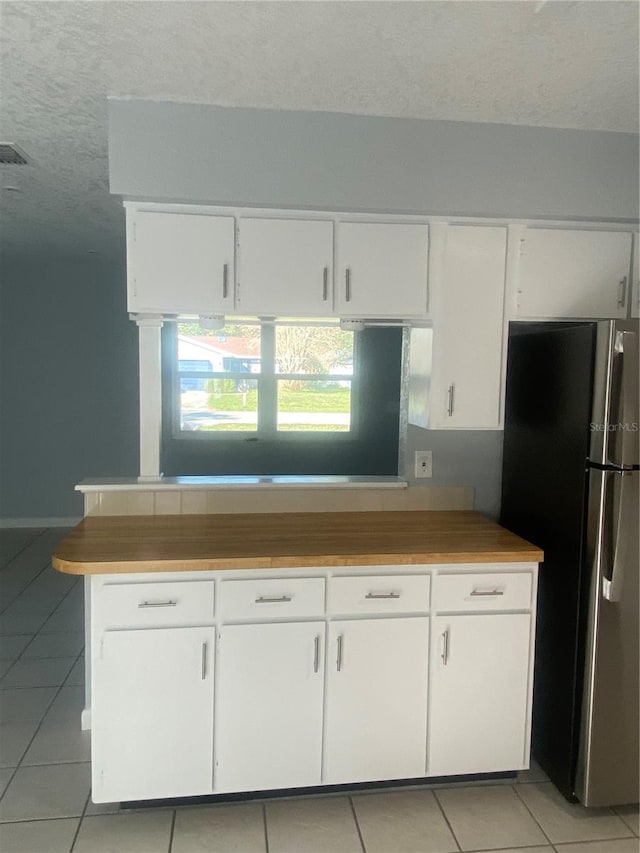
(239, 482)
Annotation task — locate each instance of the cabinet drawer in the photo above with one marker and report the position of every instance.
(272, 597)
(141, 605)
(500, 591)
(379, 594)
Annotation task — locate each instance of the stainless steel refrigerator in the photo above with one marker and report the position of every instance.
(570, 485)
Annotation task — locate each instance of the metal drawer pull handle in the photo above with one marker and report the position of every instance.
(225, 280)
(316, 653)
(339, 658)
(480, 592)
(204, 661)
(622, 292)
(382, 595)
(347, 284)
(263, 599)
(325, 284)
(169, 603)
(445, 647)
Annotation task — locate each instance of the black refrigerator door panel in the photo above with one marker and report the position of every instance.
(546, 441)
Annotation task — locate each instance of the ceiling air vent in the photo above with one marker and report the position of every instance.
(11, 155)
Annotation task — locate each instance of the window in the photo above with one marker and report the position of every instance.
(303, 400)
(266, 380)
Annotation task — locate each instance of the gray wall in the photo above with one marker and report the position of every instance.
(200, 153)
(68, 382)
(461, 458)
(191, 152)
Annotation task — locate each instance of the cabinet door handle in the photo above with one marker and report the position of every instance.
(325, 284)
(316, 653)
(445, 647)
(451, 402)
(622, 292)
(347, 284)
(382, 595)
(339, 657)
(263, 599)
(204, 661)
(169, 603)
(225, 280)
(483, 592)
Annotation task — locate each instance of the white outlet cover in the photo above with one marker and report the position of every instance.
(423, 464)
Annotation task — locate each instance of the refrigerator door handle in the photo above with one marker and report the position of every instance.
(612, 574)
(621, 424)
(630, 426)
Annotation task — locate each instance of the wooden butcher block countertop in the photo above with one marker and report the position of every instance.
(104, 545)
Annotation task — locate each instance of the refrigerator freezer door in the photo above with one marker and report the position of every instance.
(546, 442)
(608, 767)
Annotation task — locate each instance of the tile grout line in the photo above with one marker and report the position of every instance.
(39, 632)
(515, 788)
(53, 698)
(77, 832)
(33, 579)
(26, 587)
(355, 817)
(444, 815)
(28, 544)
(172, 830)
(264, 821)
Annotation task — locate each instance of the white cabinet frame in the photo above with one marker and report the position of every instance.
(330, 616)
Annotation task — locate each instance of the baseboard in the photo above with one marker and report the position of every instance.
(52, 521)
(85, 719)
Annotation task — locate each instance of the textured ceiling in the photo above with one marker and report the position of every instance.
(555, 64)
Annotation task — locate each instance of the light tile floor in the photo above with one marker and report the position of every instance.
(45, 806)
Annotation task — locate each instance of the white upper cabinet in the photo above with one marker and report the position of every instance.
(180, 263)
(381, 269)
(285, 267)
(571, 274)
(635, 278)
(467, 282)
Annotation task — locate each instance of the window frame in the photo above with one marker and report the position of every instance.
(267, 387)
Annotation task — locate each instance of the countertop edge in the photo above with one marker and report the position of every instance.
(305, 562)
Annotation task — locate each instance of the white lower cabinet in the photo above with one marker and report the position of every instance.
(152, 695)
(332, 679)
(269, 709)
(480, 671)
(376, 718)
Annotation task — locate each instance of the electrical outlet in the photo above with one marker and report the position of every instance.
(424, 463)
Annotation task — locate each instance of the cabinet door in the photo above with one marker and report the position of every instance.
(382, 269)
(376, 716)
(152, 714)
(572, 274)
(468, 295)
(480, 671)
(180, 263)
(285, 267)
(635, 277)
(269, 713)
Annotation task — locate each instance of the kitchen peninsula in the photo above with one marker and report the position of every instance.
(261, 651)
